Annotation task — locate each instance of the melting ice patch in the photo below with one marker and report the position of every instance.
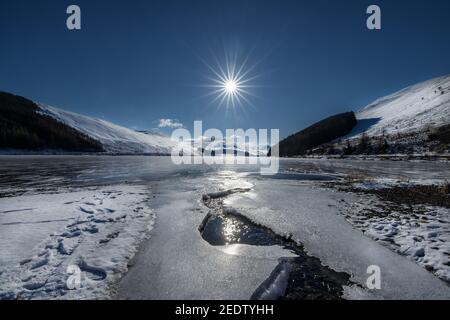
(297, 276)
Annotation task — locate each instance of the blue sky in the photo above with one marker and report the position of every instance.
(135, 62)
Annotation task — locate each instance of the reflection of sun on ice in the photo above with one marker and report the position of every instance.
(230, 230)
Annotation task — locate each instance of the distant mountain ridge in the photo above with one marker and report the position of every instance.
(114, 138)
(29, 126)
(413, 120)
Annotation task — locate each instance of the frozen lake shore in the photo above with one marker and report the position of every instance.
(142, 228)
(95, 231)
(290, 208)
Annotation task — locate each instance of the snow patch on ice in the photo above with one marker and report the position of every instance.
(77, 228)
(423, 235)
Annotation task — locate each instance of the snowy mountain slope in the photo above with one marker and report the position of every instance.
(417, 107)
(114, 138)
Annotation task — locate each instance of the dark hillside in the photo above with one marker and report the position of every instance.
(319, 133)
(22, 127)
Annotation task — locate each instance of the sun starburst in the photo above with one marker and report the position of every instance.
(231, 81)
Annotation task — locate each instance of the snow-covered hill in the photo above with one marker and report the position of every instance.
(114, 138)
(421, 106)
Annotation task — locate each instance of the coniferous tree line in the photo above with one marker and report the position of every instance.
(322, 132)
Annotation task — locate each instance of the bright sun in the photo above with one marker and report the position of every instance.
(231, 86)
(231, 81)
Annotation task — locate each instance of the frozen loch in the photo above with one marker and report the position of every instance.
(142, 228)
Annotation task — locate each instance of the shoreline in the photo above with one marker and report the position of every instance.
(410, 218)
(399, 157)
(94, 231)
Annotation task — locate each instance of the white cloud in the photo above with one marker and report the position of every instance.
(169, 123)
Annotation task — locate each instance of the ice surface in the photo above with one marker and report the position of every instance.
(178, 264)
(312, 217)
(189, 268)
(422, 234)
(57, 229)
